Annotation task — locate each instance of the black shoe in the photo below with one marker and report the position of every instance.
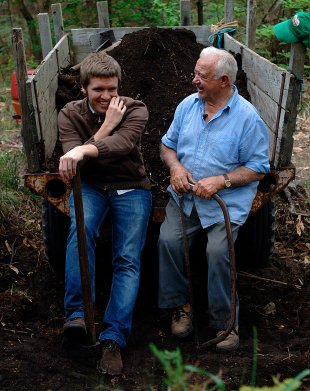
(111, 360)
(74, 331)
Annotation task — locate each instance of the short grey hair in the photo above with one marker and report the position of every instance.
(226, 64)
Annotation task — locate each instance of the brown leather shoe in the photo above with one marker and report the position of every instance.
(230, 343)
(111, 360)
(181, 325)
(74, 331)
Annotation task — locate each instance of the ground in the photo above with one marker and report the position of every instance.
(273, 299)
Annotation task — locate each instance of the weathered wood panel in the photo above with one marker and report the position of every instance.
(59, 29)
(81, 44)
(28, 127)
(44, 85)
(45, 33)
(268, 110)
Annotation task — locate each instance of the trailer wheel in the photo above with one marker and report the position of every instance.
(256, 238)
(55, 226)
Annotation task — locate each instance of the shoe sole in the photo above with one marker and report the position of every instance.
(104, 371)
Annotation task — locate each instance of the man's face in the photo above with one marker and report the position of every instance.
(204, 78)
(100, 91)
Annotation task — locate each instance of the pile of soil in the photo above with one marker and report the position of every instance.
(157, 68)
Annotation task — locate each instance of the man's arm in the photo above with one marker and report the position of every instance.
(69, 161)
(241, 176)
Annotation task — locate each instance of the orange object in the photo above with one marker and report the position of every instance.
(14, 95)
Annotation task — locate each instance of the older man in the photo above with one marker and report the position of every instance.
(218, 142)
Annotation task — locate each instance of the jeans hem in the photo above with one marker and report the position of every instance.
(107, 335)
(75, 315)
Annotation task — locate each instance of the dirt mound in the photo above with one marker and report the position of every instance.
(158, 68)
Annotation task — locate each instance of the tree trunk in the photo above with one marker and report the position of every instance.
(32, 25)
(199, 4)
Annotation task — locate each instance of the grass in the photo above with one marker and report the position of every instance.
(178, 376)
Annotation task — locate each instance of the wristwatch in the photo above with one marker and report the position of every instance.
(227, 181)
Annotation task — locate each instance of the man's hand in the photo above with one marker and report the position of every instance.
(206, 187)
(113, 117)
(68, 163)
(180, 178)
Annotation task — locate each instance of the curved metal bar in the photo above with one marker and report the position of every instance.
(231, 252)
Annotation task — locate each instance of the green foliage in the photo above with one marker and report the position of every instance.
(295, 5)
(79, 14)
(285, 385)
(178, 376)
(10, 163)
(145, 13)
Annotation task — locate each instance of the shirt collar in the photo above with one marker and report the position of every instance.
(98, 117)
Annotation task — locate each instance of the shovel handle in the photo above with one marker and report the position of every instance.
(85, 280)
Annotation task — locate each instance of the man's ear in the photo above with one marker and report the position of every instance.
(225, 80)
(83, 90)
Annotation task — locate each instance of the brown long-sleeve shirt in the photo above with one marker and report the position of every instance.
(120, 163)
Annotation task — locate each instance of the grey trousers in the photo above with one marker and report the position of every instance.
(173, 283)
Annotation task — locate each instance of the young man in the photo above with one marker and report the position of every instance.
(218, 142)
(102, 132)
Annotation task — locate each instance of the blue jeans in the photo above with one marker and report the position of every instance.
(129, 215)
(173, 283)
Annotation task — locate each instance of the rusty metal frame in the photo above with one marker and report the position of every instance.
(56, 190)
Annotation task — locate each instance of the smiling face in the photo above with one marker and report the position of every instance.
(207, 85)
(100, 91)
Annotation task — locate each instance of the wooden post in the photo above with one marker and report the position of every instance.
(45, 34)
(185, 12)
(29, 137)
(251, 24)
(296, 67)
(199, 4)
(58, 21)
(103, 14)
(229, 10)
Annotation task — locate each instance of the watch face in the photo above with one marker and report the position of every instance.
(227, 183)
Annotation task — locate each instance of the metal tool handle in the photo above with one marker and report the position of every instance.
(83, 257)
(231, 251)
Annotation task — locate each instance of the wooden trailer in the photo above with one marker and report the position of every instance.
(274, 92)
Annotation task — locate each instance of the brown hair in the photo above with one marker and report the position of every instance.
(99, 65)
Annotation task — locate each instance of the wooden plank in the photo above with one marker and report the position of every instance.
(81, 45)
(28, 129)
(63, 52)
(268, 110)
(296, 66)
(103, 14)
(58, 23)
(45, 34)
(43, 89)
(185, 12)
(251, 25)
(229, 10)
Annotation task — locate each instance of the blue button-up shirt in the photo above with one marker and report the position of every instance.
(235, 136)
